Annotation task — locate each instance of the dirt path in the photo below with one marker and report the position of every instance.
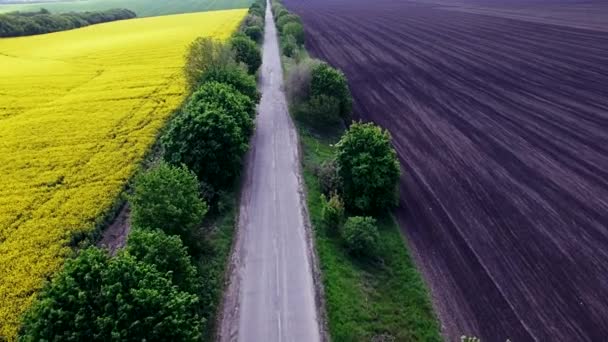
(271, 296)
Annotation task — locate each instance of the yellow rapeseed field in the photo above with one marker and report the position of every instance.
(78, 111)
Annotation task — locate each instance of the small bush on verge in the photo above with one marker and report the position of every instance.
(332, 212)
(360, 235)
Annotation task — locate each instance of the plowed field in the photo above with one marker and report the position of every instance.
(501, 125)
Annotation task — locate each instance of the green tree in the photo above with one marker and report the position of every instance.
(328, 81)
(360, 235)
(368, 168)
(236, 77)
(222, 96)
(98, 298)
(321, 111)
(289, 18)
(168, 254)
(210, 143)
(247, 52)
(254, 33)
(204, 54)
(290, 48)
(296, 30)
(167, 198)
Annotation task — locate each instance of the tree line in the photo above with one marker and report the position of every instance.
(17, 24)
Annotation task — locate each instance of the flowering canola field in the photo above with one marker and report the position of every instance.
(78, 111)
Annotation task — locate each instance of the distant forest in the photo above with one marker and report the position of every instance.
(16, 24)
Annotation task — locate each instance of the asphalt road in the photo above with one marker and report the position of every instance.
(271, 295)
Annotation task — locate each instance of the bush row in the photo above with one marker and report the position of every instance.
(362, 178)
(16, 24)
(153, 289)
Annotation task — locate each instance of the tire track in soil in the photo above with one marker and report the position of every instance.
(502, 130)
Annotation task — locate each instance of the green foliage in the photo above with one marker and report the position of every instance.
(368, 167)
(168, 254)
(329, 179)
(205, 54)
(253, 19)
(167, 198)
(247, 52)
(236, 77)
(320, 111)
(285, 19)
(254, 33)
(332, 212)
(257, 8)
(296, 30)
(360, 235)
(15, 24)
(297, 82)
(289, 46)
(328, 81)
(210, 142)
(279, 11)
(215, 95)
(363, 299)
(98, 298)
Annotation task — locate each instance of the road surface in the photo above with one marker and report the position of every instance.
(271, 296)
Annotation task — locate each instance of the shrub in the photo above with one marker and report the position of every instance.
(247, 52)
(168, 254)
(329, 180)
(289, 18)
(320, 111)
(368, 168)
(167, 198)
(360, 235)
(279, 11)
(205, 54)
(289, 46)
(298, 81)
(96, 297)
(257, 9)
(213, 94)
(296, 30)
(253, 19)
(332, 212)
(254, 33)
(210, 143)
(236, 77)
(326, 80)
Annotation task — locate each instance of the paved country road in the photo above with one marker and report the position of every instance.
(271, 296)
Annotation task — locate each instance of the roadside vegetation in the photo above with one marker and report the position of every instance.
(16, 24)
(372, 288)
(166, 283)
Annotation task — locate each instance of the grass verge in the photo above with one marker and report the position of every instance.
(220, 229)
(365, 299)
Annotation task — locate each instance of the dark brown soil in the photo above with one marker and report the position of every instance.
(501, 126)
(115, 236)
